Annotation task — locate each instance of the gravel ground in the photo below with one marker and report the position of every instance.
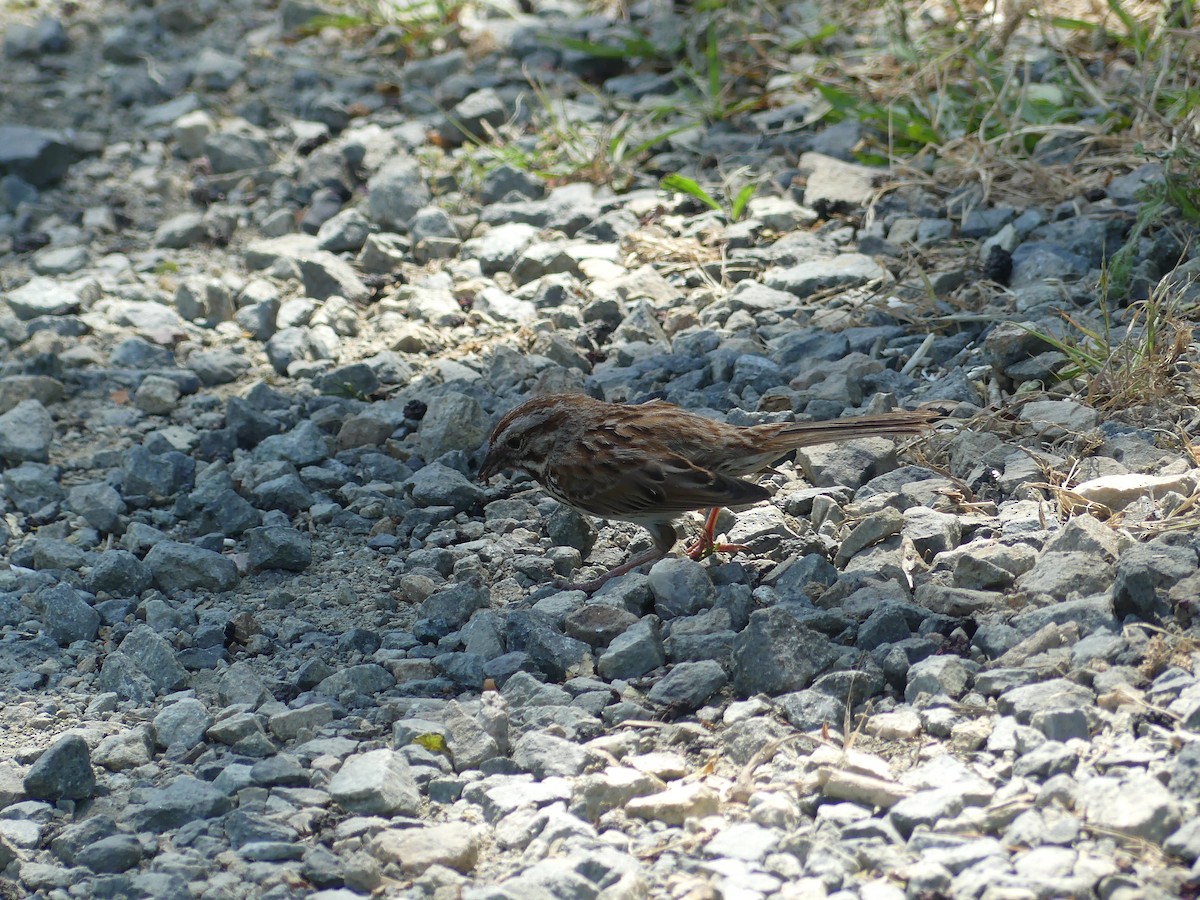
(265, 636)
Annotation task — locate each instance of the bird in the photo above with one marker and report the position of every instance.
(650, 463)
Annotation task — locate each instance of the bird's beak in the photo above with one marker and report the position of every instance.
(488, 469)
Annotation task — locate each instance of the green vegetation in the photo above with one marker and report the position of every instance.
(1029, 110)
(1135, 363)
(1179, 190)
(602, 150)
(714, 55)
(734, 207)
(970, 81)
(419, 25)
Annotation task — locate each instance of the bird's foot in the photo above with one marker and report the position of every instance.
(704, 546)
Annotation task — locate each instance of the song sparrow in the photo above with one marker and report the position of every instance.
(649, 463)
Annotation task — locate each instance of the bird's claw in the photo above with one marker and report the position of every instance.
(704, 547)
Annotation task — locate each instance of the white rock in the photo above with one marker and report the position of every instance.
(1118, 491)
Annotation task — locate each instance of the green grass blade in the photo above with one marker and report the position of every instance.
(739, 202)
(713, 58)
(684, 185)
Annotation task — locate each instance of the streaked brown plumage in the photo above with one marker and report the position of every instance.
(651, 462)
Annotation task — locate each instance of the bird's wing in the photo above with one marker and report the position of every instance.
(663, 487)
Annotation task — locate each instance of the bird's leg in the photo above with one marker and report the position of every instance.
(664, 539)
(704, 545)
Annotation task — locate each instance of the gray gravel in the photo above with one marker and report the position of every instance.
(265, 635)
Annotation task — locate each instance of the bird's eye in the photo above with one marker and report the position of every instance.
(513, 443)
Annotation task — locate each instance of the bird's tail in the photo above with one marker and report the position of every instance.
(792, 435)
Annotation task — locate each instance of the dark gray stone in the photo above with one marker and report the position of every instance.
(545, 755)
(474, 112)
(123, 677)
(551, 650)
(304, 445)
(99, 503)
(505, 180)
(226, 512)
(378, 782)
(1145, 573)
(278, 547)
(1036, 261)
(926, 807)
(1057, 693)
(246, 828)
(886, 625)
(776, 654)
(237, 149)
(484, 634)
(365, 679)
(810, 709)
(286, 346)
(47, 35)
(183, 230)
(136, 353)
(1092, 614)
(26, 432)
(464, 669)
(66, 616)
(396, 192)
(454, 605)
(634, 652)
(116, 853)
(75, 837)
(186, 799)
(51, 553)
(1047, 760)
(182, 724)
(31, 486)
(850, 463)
(439, 485)
(219, 366)
(155, 657)
(792, 580)
(681, 587)
(569, 528)
(184, 567)
(63, 772)
(1060, 574)
(241, 684)
(357, 380)
(1061, 724)
(345, 232)
(38, 156)
(689, 685)
(946, 675)
(326, 275)
(852, 686)
(1185, 843)
(149, 478)
(1185, 771)
(598, 623)
(283, 769)
(455, 422)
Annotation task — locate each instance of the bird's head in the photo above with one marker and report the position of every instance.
(524, 439)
